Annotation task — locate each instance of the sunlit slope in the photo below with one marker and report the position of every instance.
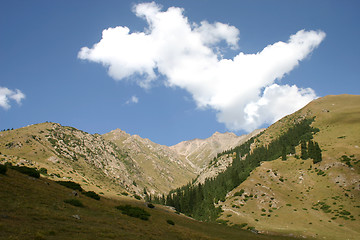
(68, 153)
(302, 198)
(160, 168)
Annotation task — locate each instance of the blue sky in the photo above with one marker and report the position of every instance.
(46, 76)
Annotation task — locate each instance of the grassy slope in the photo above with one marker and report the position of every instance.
(34, 209)
(36, 153)
(338, 119)
(159, 172)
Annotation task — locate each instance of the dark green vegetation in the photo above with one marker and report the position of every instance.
(32, 172)
(312, 150)
(135, 212)
(38, 208)
(171, 222)
(71, 185)
(74, 202)
(3, 169)
(92, 194)
(199, 201)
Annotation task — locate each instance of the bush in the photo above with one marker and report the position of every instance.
(74, 202)
(171, 222)
(3, 169)
(32, 172)
(43, 171)
(137, 197)
(70, 184)
(135, 212)
(150, 205)
(241, 225)
(240, 193)
(92, 194)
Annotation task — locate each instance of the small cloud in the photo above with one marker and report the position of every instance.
(134, 99)
(6, 95)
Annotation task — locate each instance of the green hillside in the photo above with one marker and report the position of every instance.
(281, 192)
(298, 178)
(299, 197)
(38, 208)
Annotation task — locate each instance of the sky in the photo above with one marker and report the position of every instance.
(173, 70)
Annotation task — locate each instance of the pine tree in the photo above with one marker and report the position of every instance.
(311, 149)
(283, 154)
(317, 153)
(304, 152)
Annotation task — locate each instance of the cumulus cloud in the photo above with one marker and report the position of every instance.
(244, 90)
(6, 95)
(133, 99)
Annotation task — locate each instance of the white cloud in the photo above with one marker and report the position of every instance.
(6, 95)
(187, 54)
(134, 99)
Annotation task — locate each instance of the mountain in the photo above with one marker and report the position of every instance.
(160, 169)
(66, 153)
(300, 197)
(199, 152)
(217, 142)
(113, 163)
(164, 168)
(299, 177)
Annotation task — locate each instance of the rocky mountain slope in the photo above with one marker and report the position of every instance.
(218, 165)
(297, 196)
(113, 163)
(161, 168)
(70, 154)
(165, 168)
(199, 152)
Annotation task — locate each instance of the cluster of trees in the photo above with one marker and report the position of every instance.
(4, 130)
(198, 201)
(312, 150)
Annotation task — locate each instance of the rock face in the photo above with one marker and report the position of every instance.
(199, 151)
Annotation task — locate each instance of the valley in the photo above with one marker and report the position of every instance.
(281, 193)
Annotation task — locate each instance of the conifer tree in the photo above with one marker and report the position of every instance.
(317, 153)
(311, 149)
(283, 154)
(304, 152)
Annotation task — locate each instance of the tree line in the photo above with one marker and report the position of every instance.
(198, 201)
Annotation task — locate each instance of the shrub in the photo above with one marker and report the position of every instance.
(150, 205)
(74, 202)
(70, 184)
(124, 193)
(43, 171)
(241, 225)
(222, 221)
(135, 212)
(239, 193)
(137, 197)
(32, 172)
(344, 212)
(171, 222)
(3, 169)
(92, 194)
